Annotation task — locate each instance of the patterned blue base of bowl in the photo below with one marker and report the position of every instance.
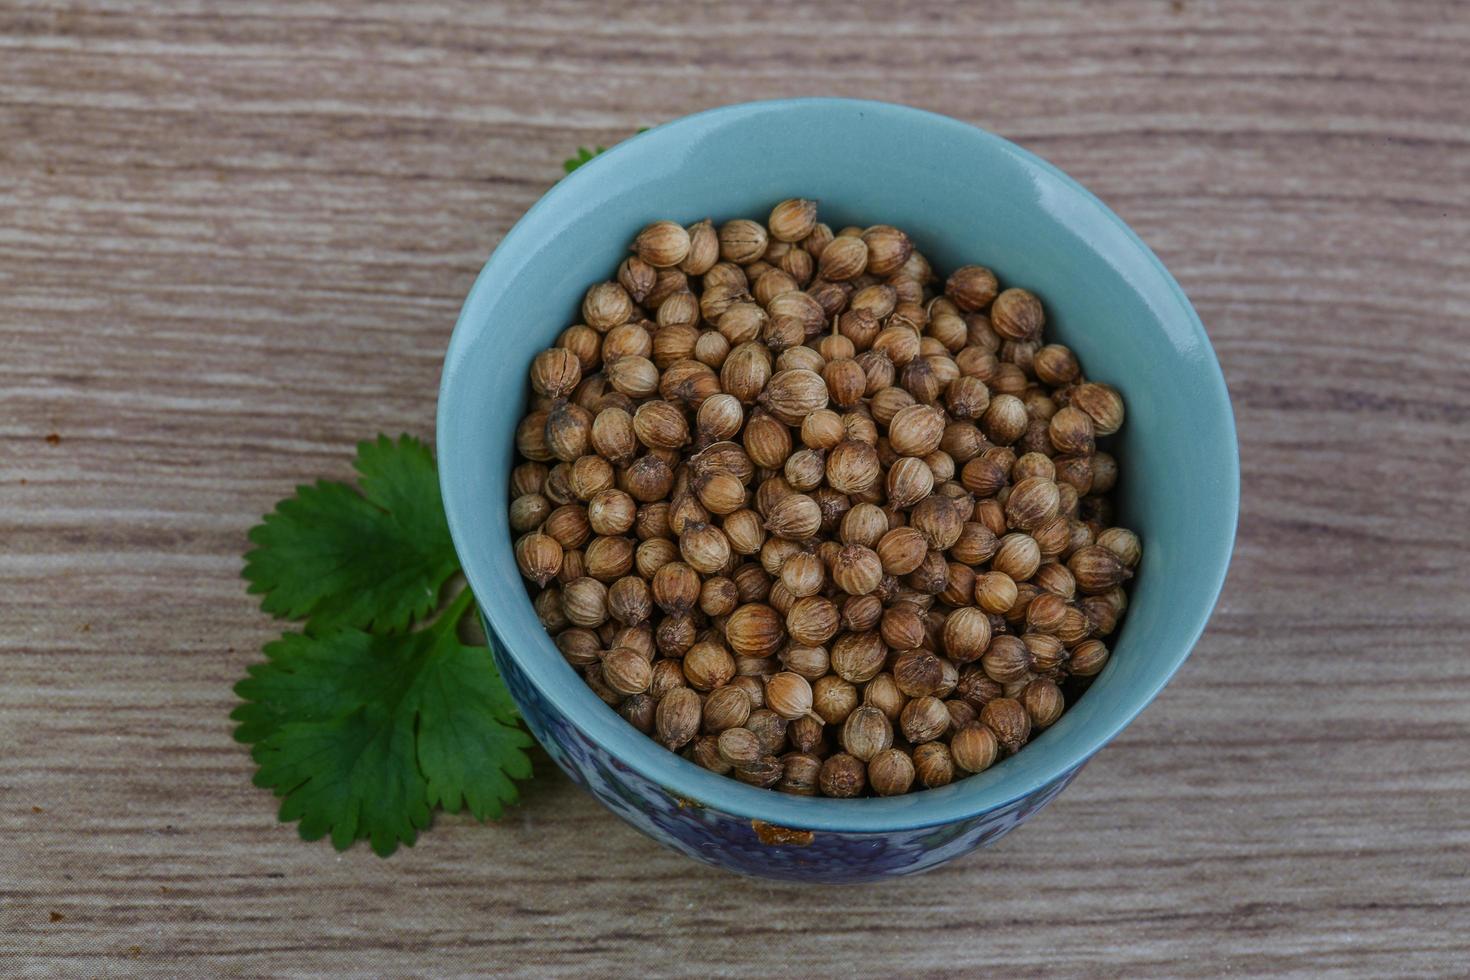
(751, 847)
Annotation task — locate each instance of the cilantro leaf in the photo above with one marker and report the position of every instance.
(375, 559)
(583, 155)
(351, 777)
(363, 734)
(469, 740)
(308, 680)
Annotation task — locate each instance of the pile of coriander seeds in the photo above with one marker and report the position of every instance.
(809, 516)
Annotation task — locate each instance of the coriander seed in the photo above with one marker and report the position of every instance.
(1123, 543)
(857, 570)
(555, 372)
(812, 621)
(974, 748)
(1071, 431)
(666, 675)
(1032, 502)
(765, 772)
(888, 249)
(1097, 569)
(705, 751)
(918, 673)
(1043, 702)
(901, 550)
(638, 710)
(793, 395)
(866, 732)
(789, 695)
(891, 772)
(773, 284)
(770, 728)
(857, 657)
(1005, 420)
(705, 548)
(800, 775)
(852, 467)
(662, 244)
(898, 343)
(833, 698)
(811, 662)
(939, 521)
(845, 258)
(675, 635)
(584, 602)
(1102, 404)
(933, 764)
(548, 606)
(961, 712)
(1008, 720)
(625, 671)
(909, 481)
(923, 719)
(704, 249)
(707, 665)
(742, 241)
(1016, 315)
(1018, 556)
(864, 525)
(966, 634)
(902, 626)
(676, 588)
(861, 613)
(1006, 659)
(754, 630)
(531, 437)
(539, 557)
(842, 776)
(629, 600)
(1088, 658)
(677, 718)
(795, 518)
(712, 579)
(739, 746)
(793, 219)
(971, 287)
(803, 574)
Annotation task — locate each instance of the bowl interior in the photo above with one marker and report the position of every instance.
(964, 196)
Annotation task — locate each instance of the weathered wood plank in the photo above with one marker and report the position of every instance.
(233, 239)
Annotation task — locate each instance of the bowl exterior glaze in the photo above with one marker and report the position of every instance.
(750, 846)
(965, 196)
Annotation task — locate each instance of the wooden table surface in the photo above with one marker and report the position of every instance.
(233, 241)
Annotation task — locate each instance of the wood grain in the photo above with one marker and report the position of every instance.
(233, 240)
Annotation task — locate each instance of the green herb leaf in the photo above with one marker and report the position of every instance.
(469, 741)
(363, 734)
(375, 559)
(583, 155)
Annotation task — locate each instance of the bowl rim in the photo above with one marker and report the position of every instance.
(973, 796)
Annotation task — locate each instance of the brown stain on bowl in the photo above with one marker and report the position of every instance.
(770, 834)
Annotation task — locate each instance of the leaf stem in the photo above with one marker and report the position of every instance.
(454, 612)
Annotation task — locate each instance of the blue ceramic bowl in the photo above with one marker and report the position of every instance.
(964, 196)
